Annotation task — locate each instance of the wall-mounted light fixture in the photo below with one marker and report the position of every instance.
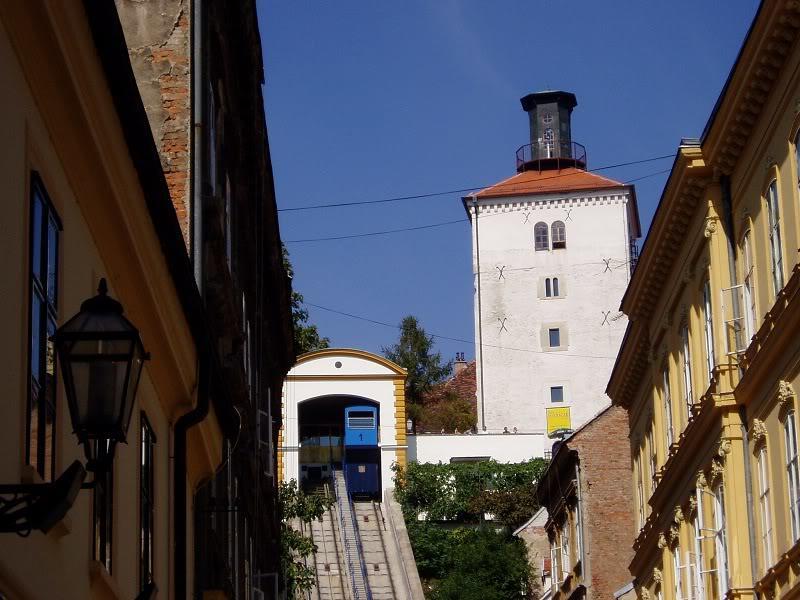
(101, 356)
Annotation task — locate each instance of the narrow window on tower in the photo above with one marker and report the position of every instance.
(541, 239)
(554, 336)
(552, 289)
(559, 235)
(557, 393)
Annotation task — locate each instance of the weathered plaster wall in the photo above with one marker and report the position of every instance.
(517, 368)
(158, 39)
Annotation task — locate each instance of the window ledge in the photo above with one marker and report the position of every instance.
(102, 584)
(30, 475)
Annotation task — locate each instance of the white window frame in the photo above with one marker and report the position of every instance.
(764, 505)
(792, 472)
(640, 488)
(653, 458)
(708, 319)
(748, 283)
(776, 249)
(686, 363)
(677, 567)
(566, 563)
(699, 587)
(669, 432)
(720, 540)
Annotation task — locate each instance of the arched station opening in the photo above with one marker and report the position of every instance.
(343, 418)
(321, 424)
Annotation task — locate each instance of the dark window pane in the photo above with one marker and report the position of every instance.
(540, 237)
(37, 223)
(555, 286)
(52, 262)
(33, 427)
(557, 394)
(555, 338)
(559, 235)
(547, 289)
(37, 306)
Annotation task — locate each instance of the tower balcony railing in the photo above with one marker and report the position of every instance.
(542, 156)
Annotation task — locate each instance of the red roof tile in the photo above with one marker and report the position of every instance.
(548, 182)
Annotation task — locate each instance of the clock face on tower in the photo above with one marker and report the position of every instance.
(547, 118)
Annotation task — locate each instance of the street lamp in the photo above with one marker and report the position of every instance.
(101, 356)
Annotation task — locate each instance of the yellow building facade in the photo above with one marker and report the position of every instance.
(710, 367)
(76, 207)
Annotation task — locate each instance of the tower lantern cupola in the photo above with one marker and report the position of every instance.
(551, 146)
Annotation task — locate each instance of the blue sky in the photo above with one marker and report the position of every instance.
(373, 99)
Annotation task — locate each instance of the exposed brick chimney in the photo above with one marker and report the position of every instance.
(459, 364)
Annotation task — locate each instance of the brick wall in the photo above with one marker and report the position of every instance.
(604, 452)
(157, 33)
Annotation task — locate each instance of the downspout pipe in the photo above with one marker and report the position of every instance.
(474, 204)
(196, 133)
(201, 409)
(180, 513)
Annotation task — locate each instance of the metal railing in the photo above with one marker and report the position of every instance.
(350, 538)
(563, 154)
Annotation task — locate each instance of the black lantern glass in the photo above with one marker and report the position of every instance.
(101, 357)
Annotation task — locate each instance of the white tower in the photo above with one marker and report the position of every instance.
(552, 252)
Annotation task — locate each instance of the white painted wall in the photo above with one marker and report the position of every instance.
(356, 376)
(515, 368)
(505, 448)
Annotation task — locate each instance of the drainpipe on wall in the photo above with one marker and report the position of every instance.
(197, 414)
(474, 204)
(196, 133)
(182, 426)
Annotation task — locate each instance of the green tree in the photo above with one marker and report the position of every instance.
(295, 547)
(486, 565)
(414, 352)
(306, 335)
(448, 413)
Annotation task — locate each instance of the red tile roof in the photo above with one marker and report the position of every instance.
(548, 182)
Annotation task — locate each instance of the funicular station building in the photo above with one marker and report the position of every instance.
(343, 409)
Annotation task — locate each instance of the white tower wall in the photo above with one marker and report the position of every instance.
(515, 366)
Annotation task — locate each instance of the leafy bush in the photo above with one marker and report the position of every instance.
(462, 492)
(486, 565)
(463, 562)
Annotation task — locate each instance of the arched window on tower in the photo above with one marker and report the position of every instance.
(559, 235)
(540, 238)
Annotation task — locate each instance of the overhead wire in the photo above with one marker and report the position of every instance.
(455, 339)
(426, 226)
(498, 186)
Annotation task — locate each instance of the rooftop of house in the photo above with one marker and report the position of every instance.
(548, 182)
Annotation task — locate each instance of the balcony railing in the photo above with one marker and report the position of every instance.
(549, 155)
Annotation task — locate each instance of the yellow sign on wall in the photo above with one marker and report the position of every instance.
(558, 420)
